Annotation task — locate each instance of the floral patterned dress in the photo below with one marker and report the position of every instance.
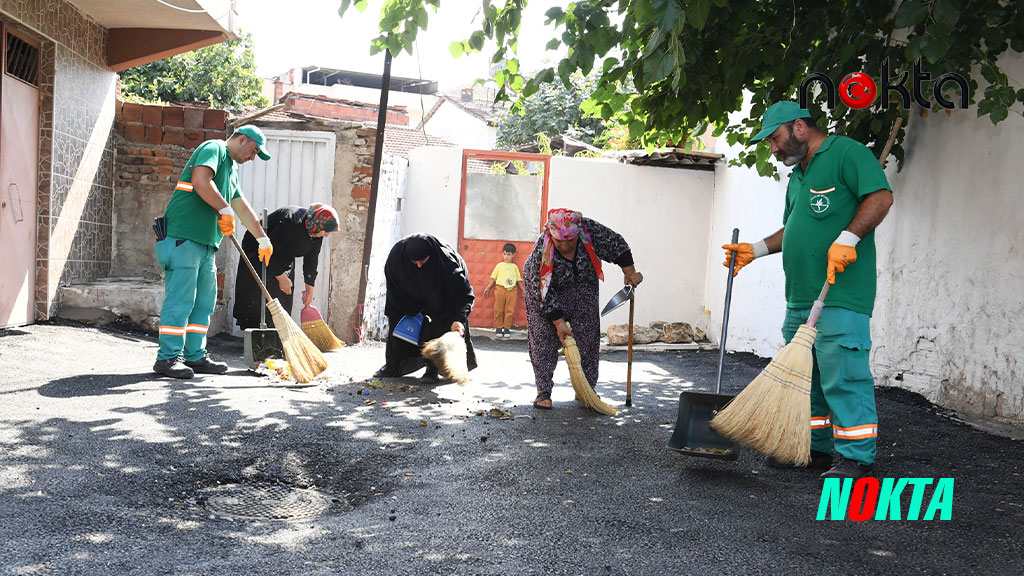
(573, 295)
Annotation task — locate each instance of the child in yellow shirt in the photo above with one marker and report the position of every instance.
(506, 276)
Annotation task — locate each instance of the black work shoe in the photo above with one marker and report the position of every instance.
(386, 371)
(819, 461)
(207, 365)
(173, 368)
(843, 468)
(430, 375)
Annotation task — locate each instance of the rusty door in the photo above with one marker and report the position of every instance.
(496, 208)
(19, 159)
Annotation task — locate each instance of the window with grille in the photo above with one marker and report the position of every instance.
(22, 60)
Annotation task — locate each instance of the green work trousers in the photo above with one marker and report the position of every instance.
(843, 416)
(190, 293)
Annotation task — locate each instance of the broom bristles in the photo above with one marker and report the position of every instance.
(773, 413)
(320, 334)
(304, 359)
(448, 354)
(579, 380)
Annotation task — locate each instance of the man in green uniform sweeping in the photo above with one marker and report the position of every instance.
(837, 195)
(197, 217)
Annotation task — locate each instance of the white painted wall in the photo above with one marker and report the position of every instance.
(387, 229)
(951, 264)
(662, 213)
(432, 195)
(456, 125)
(753, 204)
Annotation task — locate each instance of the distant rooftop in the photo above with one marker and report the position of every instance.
(321, 76)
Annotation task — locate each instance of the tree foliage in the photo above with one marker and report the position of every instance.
(693, 62)
(553, 110)
(223, 75)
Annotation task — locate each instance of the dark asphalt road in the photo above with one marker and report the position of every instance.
(106, 469)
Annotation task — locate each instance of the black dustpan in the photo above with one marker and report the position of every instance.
(693, 435)
(261, 343)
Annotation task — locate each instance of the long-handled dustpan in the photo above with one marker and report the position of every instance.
(693, 435)
(261, 343)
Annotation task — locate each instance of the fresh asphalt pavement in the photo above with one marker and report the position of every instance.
(106, 468)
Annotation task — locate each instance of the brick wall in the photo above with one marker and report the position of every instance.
(152, 146)
(343, 109)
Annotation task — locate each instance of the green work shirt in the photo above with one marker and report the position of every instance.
(188, 215)
(819, 205)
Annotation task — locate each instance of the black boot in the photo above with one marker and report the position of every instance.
(207, 365)
(173, 368)
(843, 468)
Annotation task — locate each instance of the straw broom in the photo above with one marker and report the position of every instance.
(304, 360)
(317, 330)
(579, 380)
(448, 354)
(772, 414)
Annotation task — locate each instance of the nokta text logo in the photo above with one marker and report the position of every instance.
(867, 498)
(858, 90)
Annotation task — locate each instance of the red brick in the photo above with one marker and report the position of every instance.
(194, 118)
(361, 192)
(193, 138)
(154, 135)
(163, 170)
(153, 115)
(215, 119)
(135, 133)
(117, 110)
(131, 112)
(214, 135)
(174, 116)
(364, 170)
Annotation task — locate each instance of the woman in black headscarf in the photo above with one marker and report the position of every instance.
(295, 233)
(425, 275)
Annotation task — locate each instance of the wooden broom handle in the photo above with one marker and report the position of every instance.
(812, 319)
(241, 254)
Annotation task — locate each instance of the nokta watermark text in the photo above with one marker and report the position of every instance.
(858, 90)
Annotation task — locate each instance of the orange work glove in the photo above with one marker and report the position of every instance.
(266, 250)
(841, 254)
(226, 222)
(745, 254)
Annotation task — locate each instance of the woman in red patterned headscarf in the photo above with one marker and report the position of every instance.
(295, 233)
(561, 277)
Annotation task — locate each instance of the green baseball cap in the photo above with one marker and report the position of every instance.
(256, 135)
(776, 115)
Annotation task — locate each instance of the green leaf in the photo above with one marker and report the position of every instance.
(910, 14)
(697, 13)
(476, 40)
(457, 48)
(555, 14)
(946, 13)
(636, 129)
(666, 12)
(513, 65)
(933, 47)
(552, 44)
(998, 114)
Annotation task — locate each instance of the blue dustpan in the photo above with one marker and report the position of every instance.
(408, 329)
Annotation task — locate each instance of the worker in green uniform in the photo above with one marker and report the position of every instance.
(837, 195)
(197, 217)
